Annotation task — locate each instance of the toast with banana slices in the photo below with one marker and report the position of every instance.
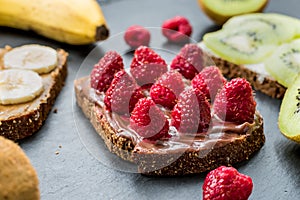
(31, 77)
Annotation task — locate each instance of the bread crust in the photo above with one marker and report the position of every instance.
(22, 120)
(265, 84)
(174, 164)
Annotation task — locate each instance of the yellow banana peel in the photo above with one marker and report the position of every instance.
(74, 22)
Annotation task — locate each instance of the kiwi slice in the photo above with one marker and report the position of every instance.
(221, 10)
(286, 28)
(284, 63)
(244, 45)
(289, 115)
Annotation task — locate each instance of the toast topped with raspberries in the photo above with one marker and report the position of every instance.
(31, 77)
(181, 119)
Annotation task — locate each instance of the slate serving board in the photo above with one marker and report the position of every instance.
(68, 170)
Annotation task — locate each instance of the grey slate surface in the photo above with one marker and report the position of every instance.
(74, 173)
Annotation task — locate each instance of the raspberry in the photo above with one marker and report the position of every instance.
(173, 80)
(177, 29)
(189, 61)
(235, 102)
(123, 94)
(167, 88)
(147, 66)
(136, 36)
(192, 112)
(149, 121)
(226, 183)
(163, 96)
(209, 81)
(103, 72)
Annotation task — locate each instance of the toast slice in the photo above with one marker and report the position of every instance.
(173, 157)
(18, 121)
(259, 78)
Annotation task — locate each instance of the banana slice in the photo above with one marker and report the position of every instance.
(19, 86)
(40, 59)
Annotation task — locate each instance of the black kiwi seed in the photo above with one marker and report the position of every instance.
(285, 59)
(298, 104)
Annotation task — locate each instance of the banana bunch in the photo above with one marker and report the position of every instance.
(21, 79)
(74, 22)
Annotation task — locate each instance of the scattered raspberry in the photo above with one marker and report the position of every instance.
(147, 66)
(192, 112)
(235, 102)
(149, 121)
(226, 183)
(167, 88)
(123, 94)
(136, 36)
(209, 81)
(189, 61)
(103, 72)
(177, 29)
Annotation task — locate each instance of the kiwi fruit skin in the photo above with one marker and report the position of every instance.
(289, 114)
(18, 178)
(220, 18)
(284, 63)
(262, 42)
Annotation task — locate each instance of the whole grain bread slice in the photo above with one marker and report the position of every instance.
(157, 159)
(258, 78)
(21, 120)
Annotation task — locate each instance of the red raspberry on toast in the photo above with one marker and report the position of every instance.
(103, 72)
(167, 88)
(177, 29)
(192, 113)
(226, 183)
(235, 102)
(149, 121)
(209, 81)
(189, 61)
(123, 94)
(147, 66)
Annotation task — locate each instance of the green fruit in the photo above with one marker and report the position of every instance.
(221, 10)
(244, 45)
(285, 27)
(289, 115)
(284, 63)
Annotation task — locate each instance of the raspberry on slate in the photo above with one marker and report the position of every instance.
(235, 102)
(226, 183)
(103, 72)
(189, 61)
(136, 36)
(123, 94)
(167, 88)
(192, 113)
(177, 29)
(147, 66)
(209, 81)
(149, 121)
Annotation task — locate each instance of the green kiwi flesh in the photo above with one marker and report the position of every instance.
(284, 63)
(289, 115)
(285, 27)
(243, 45)
(234, 7)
